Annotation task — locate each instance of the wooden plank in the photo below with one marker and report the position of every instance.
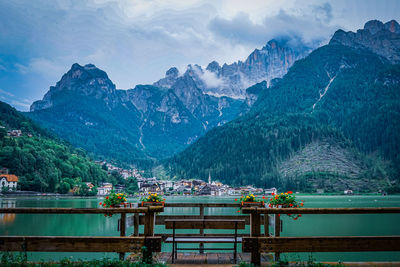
(320, 210)
(165, 235)
(81, 210)
(206, 205)
(204, 240)
(160, 219)
(74, 243)
(204, 224)
(324, 244)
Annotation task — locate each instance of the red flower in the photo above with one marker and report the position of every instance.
(238, 211)
(104, 205)
(270, 205)
(299, 215)
(235, 199)
(106, 197)
(295, 218)
(290, 205)
(263, 197)
(273, 194)
(100, 203)
(119, 197)
(301, 204)
(289, 192)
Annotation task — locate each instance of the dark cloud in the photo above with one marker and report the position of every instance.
(309, 27)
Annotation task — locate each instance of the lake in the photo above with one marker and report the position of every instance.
(307, 225)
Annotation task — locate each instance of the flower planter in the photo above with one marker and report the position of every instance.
(252, 204)
(151, 203)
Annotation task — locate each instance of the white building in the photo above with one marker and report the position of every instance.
(8, 181)
(105, 189)
(270, 191)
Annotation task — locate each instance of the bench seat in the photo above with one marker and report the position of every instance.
(204, 240)
(202, 224)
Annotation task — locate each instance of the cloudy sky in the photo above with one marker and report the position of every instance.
(136, 41)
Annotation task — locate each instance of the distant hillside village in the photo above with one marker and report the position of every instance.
(16, 132)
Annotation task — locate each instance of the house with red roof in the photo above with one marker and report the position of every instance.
(8, 181)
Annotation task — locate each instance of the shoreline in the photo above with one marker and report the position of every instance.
(57, 195)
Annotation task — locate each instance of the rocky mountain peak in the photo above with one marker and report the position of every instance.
(374, 26)
(213, 66)
(392, 26)
(87, 80)
(172, 73)
(170, 78)
(379, 38)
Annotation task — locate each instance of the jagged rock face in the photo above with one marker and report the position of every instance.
(382, 39)
(84, 80)
(272, 61)
(170, 77)
(160, 121)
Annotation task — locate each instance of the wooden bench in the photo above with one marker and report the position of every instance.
(204, 224)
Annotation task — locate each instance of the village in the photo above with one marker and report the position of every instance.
(184, 187)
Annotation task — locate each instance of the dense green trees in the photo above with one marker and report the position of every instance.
(42, 163)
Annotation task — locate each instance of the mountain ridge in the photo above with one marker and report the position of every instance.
(153, 121)
(324, 98)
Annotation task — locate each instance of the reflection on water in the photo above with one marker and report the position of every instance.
(7, 218)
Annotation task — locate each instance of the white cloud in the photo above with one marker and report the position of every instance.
(211, 80)
(3, 92)
(20, 104)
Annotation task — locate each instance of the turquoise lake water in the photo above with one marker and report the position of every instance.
(307, 225)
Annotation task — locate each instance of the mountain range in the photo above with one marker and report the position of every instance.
(332, 122)
(287, 116)
(155, 121)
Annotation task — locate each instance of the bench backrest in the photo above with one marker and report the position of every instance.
(204, 224)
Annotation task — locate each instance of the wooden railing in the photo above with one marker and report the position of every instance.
(120, 244)
(257, 244)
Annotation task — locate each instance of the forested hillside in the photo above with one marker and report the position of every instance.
(345, 97)
(42, 163)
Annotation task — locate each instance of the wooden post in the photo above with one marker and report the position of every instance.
(201, 230)
(255, 232)
(266, 225)
(136, 224)
(122, 229)
(148, 231)
(277, 233)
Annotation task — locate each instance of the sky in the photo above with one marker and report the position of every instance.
(137, 41)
